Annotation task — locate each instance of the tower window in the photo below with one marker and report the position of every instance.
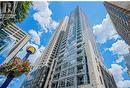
(101, 80)
(79, 68)
(79, 41)
(63, 73)
(78, 46)
(80, 79)
(70, 70)
(98, 68)
(56, 76)
(59, 61)
(65, 65)
(79, 37)
(62, 83)
(78, 33)
(79, 51)
(54, 85)
(58, 68)
(70, 81)
(79, 59)
(61, 56)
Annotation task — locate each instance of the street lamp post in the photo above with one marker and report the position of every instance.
(30, 50)
(16, 67)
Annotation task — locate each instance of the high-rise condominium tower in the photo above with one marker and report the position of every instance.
(120, 15)
(71, 60)
(12, 40)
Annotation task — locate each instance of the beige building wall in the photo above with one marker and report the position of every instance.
(45, 57)
(122, 4)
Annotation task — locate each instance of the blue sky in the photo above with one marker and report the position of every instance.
(45, 16)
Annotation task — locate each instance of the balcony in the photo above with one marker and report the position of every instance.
(79, 45)
(79, 59)
(79, 68)
(79, 40)
(56, 76)
(80, 80)
(79, 51)
(79, 37)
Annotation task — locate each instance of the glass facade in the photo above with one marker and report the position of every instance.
(6, 42)
(71, 68)
(120, 17)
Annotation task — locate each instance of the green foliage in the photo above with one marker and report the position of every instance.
(22, 10)
(17, 66)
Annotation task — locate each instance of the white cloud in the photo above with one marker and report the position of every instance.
(125, 69)
(34, 36)
(119, 47)
(43, 16)
(118, 71)
(54, 24)
(123, 84)
(120, 59)
(105, 31)
(32, 58)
